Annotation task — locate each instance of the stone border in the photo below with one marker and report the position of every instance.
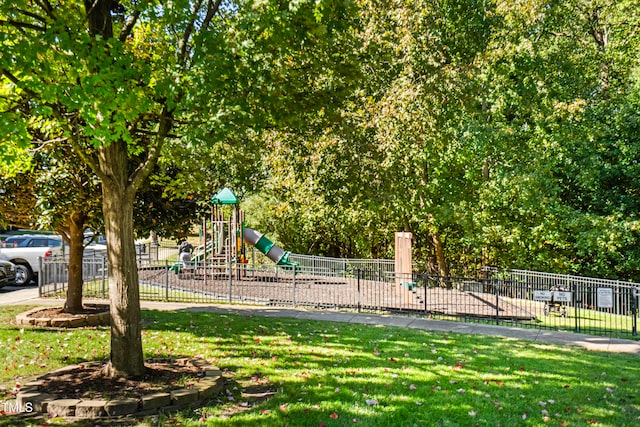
(206, 387)
(69, 321)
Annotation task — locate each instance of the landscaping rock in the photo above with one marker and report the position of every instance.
(116, 408)
(63, 407)
(155, 401)
(184, 397)
(91, 409)
(37, 401)
(208, 386)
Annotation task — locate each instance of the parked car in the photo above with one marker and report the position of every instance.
(26, 251)
(7, 273)
(32, 241)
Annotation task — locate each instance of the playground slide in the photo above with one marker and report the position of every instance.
(267, 247)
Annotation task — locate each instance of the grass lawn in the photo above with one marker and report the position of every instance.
(333, 374)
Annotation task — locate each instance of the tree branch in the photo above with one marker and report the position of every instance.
(569, 36)
(183, 44)
(16, 81)
(128, 26)
(212, 9)
(46, 6)
(31, 15)
(22, 25)
(145, 168)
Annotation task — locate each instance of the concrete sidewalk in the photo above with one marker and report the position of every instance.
(589, 342)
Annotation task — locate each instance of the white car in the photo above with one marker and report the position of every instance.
(27, 250)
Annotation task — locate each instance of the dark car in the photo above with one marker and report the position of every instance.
(7, 273)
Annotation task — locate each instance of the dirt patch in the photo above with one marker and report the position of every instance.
(59, 313)
(90, 382)
(91, 315)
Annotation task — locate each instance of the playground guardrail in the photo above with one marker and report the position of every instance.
(498, 296)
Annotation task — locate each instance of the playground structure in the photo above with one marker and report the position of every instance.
(219, 266)
(224, 246)
(224, 239)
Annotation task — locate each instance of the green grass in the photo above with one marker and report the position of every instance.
(336, 374)
(585, 320)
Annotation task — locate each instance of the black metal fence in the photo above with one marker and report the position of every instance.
(502, 297)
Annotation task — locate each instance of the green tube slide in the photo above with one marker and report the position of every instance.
(267, 247)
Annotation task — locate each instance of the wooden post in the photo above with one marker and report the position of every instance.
(404, 267)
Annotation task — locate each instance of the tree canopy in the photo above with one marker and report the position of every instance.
(125, 83)
(499, 133)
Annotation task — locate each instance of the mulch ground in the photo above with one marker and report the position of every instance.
(59, 313)
(90, 382)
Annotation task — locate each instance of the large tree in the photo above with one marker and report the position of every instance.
(501, 133)
(395, 161)
(126, 81)
(560, 83)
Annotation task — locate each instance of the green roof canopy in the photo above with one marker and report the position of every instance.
(225, 197)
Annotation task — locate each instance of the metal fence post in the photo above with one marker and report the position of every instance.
(40, 277)
(359, 302)
(230, 280)
(634, 311)
(293, 297)
(104, 277)
(425, 282)
(574, 299)
(497, 291)
(166, 280)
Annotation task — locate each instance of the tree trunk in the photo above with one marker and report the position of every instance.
(443, 268)
(75, 234)
(124, 294)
